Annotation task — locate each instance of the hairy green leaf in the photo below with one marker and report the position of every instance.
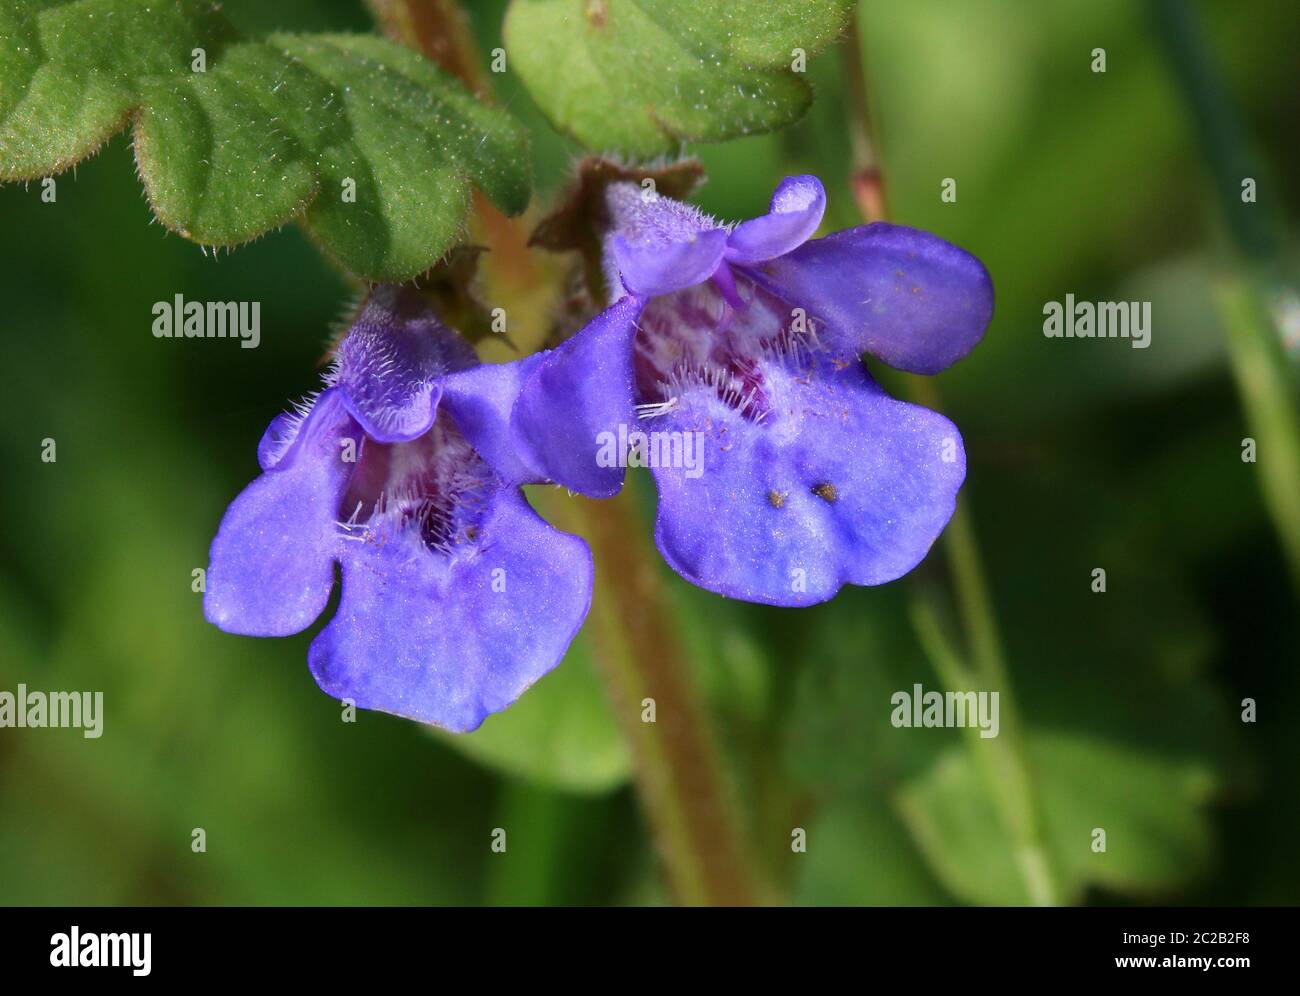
(643, 77)
(370, 145)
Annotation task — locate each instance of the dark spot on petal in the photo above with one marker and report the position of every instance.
(825, 491)
(777, 498)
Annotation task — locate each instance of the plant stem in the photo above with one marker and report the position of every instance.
(1006, 765)
(1268, 393)
(866, 179)
(1265, 379)
(681, 781)
(438, 30)
(1001, 758)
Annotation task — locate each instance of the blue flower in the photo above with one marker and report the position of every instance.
(456, 596)
(749, 339)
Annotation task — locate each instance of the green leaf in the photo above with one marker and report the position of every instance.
(561, 733)
(270, 131)
(1151, 808)
(1130, 745)
(860, 854)
(643, 77)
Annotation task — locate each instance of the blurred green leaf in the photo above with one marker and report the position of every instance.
(1157, 836)
(860, 854)
(851, 660)
(1135, 750)
(561, 733)
(645, 76)
(367, 143)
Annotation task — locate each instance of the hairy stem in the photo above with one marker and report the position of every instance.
(682, 784)
(1006, 767)
(439, 29)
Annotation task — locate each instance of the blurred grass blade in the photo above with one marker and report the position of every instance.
(1265, 379)
(1268, 393)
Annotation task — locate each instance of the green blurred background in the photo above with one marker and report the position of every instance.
(1082, 455)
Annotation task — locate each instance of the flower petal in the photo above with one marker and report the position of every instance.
(915, 301)
(391, 360)
(271, 564)
(656, 244)
(583, 388)
(837, 484)
(651, 270)
(448, 641)
(480, 400)
(796, 211)
(279, 437)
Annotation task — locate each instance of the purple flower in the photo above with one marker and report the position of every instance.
(456, 596)
(747, 340)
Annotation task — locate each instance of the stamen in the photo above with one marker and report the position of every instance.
(725, 281)
(696, 339)
(654, 409)
(434, 488)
